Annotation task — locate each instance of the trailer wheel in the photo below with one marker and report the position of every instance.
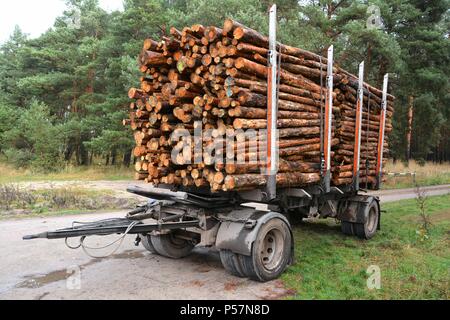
(169, 246)
(347, 228)
(232, 263)
(367, 230)
(271, 252)
(147, 243)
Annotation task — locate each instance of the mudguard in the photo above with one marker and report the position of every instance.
(356, 209)
(238, 230)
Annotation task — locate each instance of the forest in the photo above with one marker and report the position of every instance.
(63, 95)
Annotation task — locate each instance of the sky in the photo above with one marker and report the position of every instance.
(36, 16)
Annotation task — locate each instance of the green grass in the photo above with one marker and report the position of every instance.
(9, 174)
(329, 265)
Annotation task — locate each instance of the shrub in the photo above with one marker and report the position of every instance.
(34, 141)
(12, 196)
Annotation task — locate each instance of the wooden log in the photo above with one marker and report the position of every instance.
(257, 113)
(197, 92)
(236, 182)
(284, 166)
(240, 123)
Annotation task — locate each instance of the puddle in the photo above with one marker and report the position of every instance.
(34, 282)
(38, 281)
(129, 254)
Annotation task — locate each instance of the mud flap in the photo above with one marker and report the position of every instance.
(356, 209)
(239, 229)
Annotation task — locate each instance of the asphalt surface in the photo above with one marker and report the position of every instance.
(47, 269)
(402, 194)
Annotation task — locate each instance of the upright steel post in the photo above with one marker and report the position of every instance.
(272, 107)
(328, 121)
(357, 146)
(379, 170)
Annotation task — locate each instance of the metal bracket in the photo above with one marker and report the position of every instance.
(298, 193)
(337, 190)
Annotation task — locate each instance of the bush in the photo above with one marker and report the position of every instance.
(8, 119)
(34, 141)
(14, 199)
(20, 158)
(12, 196)
(421, 162)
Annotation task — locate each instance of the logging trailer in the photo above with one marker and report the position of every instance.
(251, 229)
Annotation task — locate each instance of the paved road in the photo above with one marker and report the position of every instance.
(38, 269)
(41, 269)
(401, 194)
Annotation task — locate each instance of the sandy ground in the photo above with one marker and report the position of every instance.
(47, 269)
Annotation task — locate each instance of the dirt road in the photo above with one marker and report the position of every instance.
(42, 269)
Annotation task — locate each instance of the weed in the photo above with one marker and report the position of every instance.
(425, 223)
(14, 200)
(11, 195)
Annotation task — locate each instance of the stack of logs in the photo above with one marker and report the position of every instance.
(216, 79)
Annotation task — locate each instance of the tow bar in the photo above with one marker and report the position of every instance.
(111, 226)
(136, 221)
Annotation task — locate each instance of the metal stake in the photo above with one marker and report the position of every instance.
(381, 133)
(357, 147)
(272, 107)
(328, 118)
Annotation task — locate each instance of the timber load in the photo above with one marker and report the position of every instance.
(213, 80)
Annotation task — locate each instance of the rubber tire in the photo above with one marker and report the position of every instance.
(252, 265)
(232, 263)
(167, 246)
(363, 231)
(347, 228)
(147, 243)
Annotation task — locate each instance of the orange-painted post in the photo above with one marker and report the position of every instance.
(357, 146)
(379, 168)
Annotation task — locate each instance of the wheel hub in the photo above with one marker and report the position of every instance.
(272, 249)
